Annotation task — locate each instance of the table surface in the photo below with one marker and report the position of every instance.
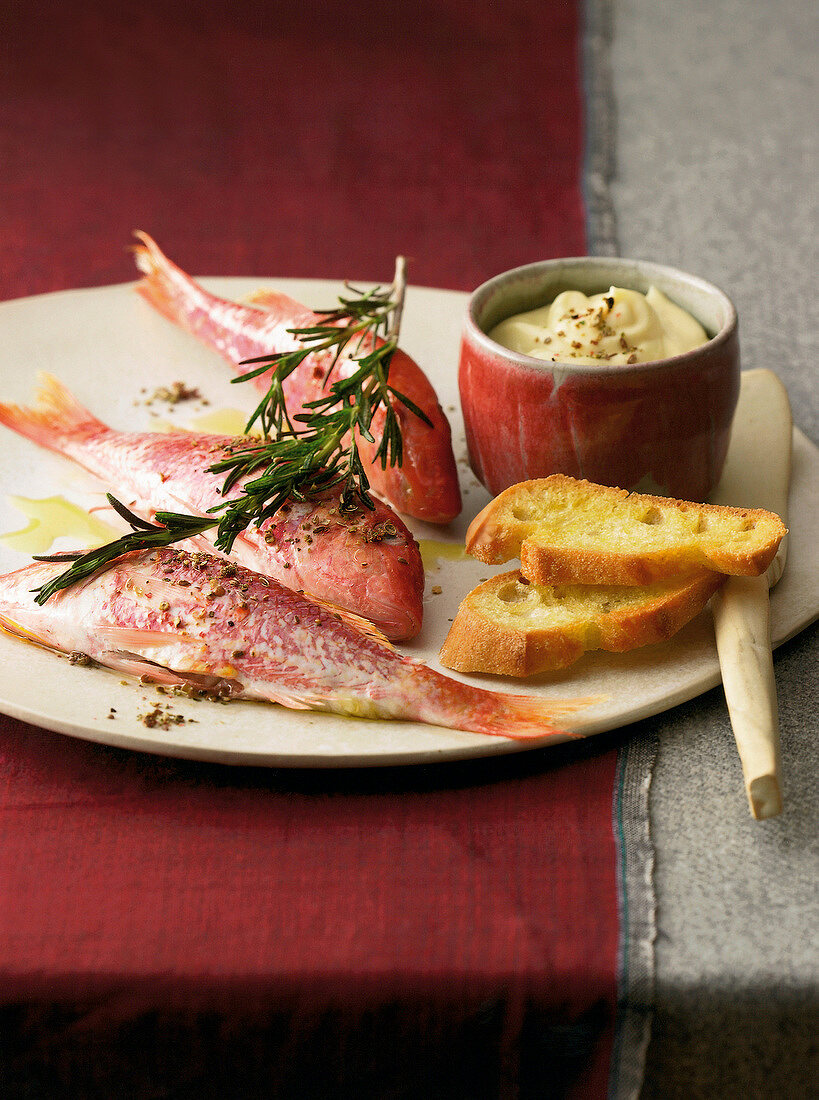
(717, 178)
(700, 152)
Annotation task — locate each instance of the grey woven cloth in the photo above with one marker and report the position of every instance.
(706, 159)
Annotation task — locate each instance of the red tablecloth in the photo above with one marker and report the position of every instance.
(170, 928)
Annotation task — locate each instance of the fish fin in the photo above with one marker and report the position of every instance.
(133, 664)
(56, 415)
(521, 717)
(125, 637)
(280, 307)
(17, 630)
(136, 664)
(274, 300)
(292, 702)
(350, 617)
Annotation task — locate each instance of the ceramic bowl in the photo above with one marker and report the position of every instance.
(661, 427)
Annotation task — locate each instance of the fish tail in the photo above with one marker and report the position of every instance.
(27, 634)
(517, 717)
(165, 286)
(277, 304)
(56, 416)
(521, 717)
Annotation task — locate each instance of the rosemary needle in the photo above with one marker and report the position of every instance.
(172, 528)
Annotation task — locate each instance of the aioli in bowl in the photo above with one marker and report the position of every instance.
(660, 426)
(618, 327)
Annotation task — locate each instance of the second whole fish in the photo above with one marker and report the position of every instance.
(366, 561)
(424, 486)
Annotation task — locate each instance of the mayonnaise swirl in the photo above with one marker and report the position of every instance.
(617, 328)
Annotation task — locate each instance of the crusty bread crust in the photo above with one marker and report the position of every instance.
(510, 627)
(569, 531)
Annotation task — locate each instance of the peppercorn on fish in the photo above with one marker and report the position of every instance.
(425, 485)
(201, 621)
(365, 561)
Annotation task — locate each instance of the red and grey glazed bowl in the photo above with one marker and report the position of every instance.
(661, 427)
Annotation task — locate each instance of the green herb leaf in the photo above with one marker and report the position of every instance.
(174, 527)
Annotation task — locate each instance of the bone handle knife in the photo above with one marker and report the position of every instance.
(742, 608)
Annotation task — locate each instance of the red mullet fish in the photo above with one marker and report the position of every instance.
(366, 561)
(424, 486)
(196, 620)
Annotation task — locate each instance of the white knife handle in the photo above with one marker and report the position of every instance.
(743, 627)
(741, 607)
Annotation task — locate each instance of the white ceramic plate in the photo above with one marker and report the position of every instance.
(107, 345)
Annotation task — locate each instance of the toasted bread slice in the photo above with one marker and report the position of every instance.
(510, 627)
(573, 532)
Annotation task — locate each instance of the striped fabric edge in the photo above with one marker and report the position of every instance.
(599, 161)
(637, 912)
(636, 759)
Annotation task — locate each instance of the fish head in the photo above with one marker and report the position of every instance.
(363, 559)
(425, 485)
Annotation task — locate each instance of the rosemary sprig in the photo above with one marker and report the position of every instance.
(302, 455)
(317, 449)
(143, 536)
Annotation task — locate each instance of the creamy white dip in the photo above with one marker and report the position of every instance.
(618, 328)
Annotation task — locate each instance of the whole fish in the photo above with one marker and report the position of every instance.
(424, 486)
(193, 619)
(365, 561)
